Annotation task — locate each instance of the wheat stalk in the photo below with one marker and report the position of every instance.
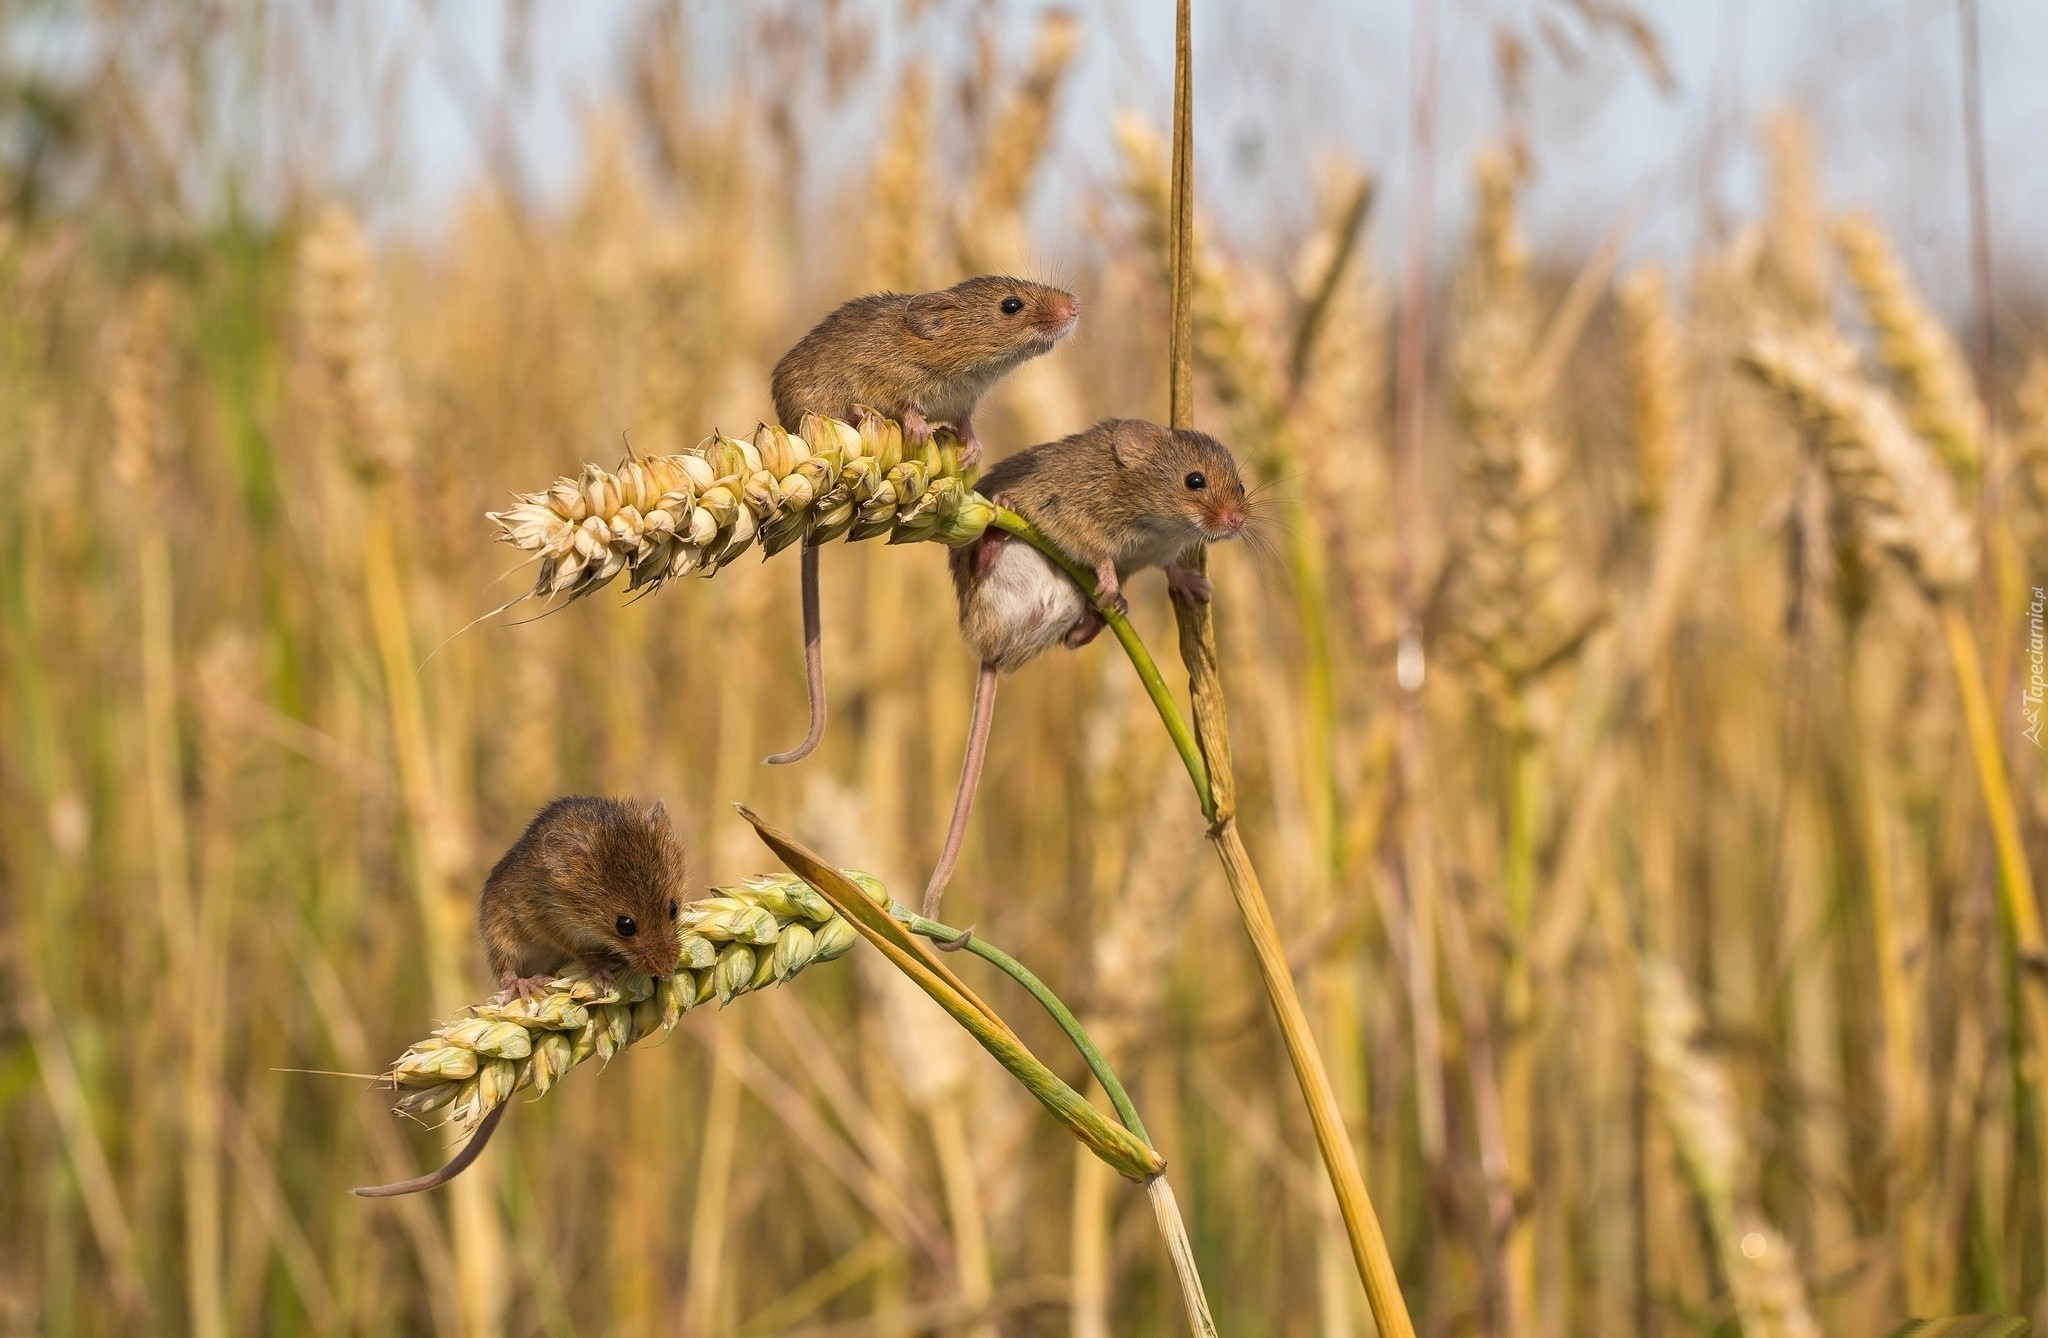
(1654, 353)
(2030, 440)
(899, 241)
(1698, 1106)
(345, 332)
(1795, 237)
(1915, 348)
(1517, 608)
(1902, 496)
(139, 386)
(1225, 346)
(668, 516)
(1017, 139)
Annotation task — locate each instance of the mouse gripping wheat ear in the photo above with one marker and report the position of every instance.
(760, 932)
(659, 517)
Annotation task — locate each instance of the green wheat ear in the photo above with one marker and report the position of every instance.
(667, 516)
(1965, 1326)
(761, 932)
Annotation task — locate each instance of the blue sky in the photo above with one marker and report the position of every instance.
(1282, 85)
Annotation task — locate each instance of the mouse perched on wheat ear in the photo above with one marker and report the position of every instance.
(592, 883)
(595, 883)
(1122, 496)
(922, 359)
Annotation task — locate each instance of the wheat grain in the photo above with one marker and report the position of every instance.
(668, 516)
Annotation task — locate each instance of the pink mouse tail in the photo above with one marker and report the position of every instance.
(435, 1179)
(814, 662)
(970, 778)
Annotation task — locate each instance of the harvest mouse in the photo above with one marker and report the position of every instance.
(1122, 496)
(591, 882)
(921, 359)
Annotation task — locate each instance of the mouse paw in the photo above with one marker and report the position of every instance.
(1085, 629)
(523, 987)
(917, 429)
(1189, 584)
(600, 971)
(1109, 592)
(970, 445)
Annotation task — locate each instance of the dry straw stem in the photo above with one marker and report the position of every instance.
(1223, 343)
(1915, 348)
(1124, 1148)
(1212, 730)
(1698, 1107)
(668, 516)
(874, 922)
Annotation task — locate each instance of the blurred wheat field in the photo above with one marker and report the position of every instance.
(1693, 985)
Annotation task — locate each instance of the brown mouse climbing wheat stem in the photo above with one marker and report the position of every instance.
(1115, 499)
(457, 1164)
(814, 662)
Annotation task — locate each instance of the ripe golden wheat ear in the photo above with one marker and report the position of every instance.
(692, 513)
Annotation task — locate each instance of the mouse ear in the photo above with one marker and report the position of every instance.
(562, 848)
(926, 314)
(657, 815)
(1124, 440)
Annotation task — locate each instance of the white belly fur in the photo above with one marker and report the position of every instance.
(1023, 606)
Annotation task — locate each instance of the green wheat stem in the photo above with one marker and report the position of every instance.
(1134, 646)
(1039, 990)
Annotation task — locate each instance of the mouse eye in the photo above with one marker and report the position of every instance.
(627, 926)
(1012, 305)
(1196, 480)
(671, 910)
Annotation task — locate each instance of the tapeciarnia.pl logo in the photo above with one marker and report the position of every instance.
(2037, 667)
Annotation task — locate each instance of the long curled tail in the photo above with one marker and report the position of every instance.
(970, 778)
(814, 662)
(435, 1179)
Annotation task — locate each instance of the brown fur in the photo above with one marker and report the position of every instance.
(1113, 498)
(919, 358)
(556, 897)
(929, 356)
